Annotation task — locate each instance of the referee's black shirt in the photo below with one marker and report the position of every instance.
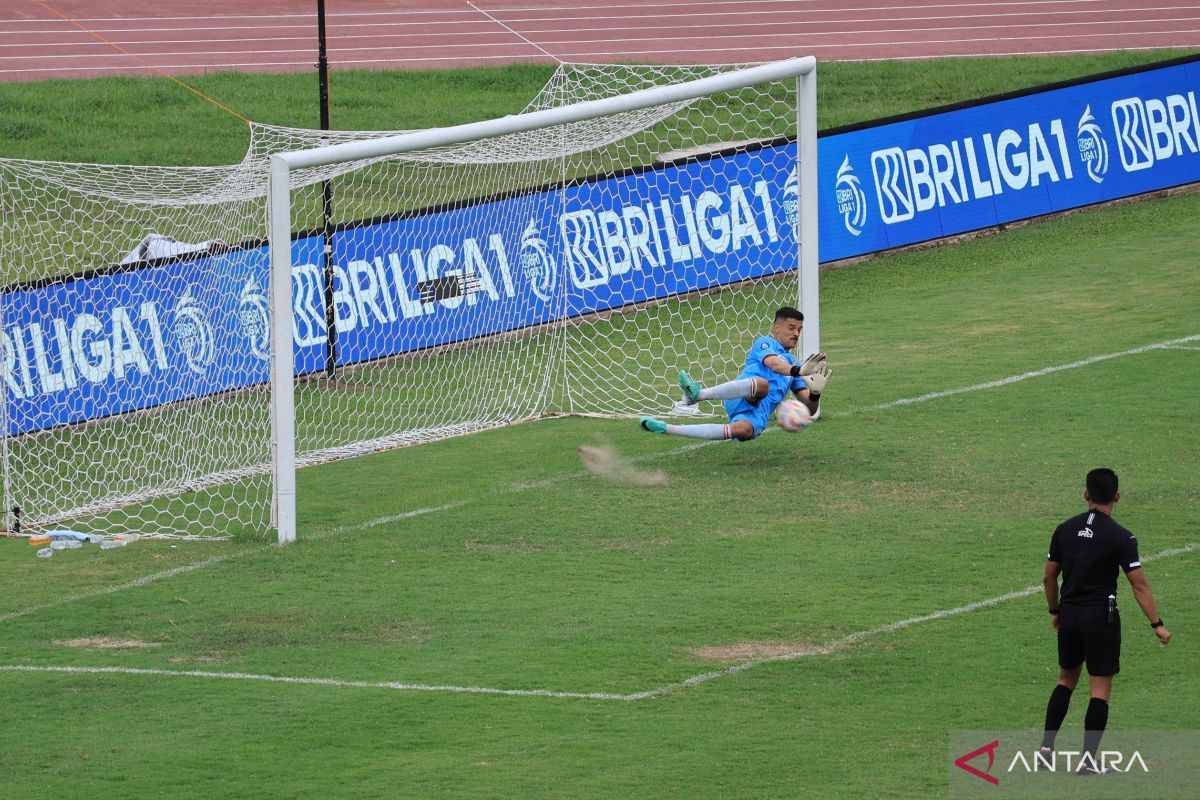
(1090, 547)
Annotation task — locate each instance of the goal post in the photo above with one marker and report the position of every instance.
(808, 236)
(284, 165)
(167, 333)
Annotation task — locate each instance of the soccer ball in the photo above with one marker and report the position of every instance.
(793, 416)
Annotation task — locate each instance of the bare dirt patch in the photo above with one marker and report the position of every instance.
(749, 651)
(605, 462)
(105, 643)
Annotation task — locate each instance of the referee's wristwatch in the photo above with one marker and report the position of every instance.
(1054, 611)
(1158, 624)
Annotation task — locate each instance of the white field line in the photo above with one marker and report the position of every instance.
(1024, 376)
(420, 512)
(854, 638)
(133, 584)
(695, 680)
(246, 676)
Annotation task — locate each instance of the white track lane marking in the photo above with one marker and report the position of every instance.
(334, 18)
(687, 10)
(659, 691)
(750, 38)
(337, 14)
(835, 9)
(740, 22)
(377, 38)
(1193, 42)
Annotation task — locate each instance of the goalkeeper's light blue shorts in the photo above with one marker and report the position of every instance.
(757, 414)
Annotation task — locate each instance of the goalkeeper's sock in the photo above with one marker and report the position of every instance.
(712, 431)
(728, 391)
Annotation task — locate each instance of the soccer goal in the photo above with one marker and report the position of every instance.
(566, 260)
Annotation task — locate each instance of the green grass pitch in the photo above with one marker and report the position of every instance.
(496, 562)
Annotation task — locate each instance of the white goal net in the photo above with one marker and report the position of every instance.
(570, 259)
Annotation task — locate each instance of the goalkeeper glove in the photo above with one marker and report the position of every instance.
(816, 381)
(810, 365)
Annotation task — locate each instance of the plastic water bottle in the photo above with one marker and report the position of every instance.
(45, 552)
(72, 544)
(109, 544)
(59, 544)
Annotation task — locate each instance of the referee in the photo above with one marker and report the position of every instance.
(1086, 550)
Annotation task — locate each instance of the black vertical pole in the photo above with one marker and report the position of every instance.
(327, 196)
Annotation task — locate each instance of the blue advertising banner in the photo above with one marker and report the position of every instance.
(960, 170)
(138, 338)
(127, 340)
(175, 330)
(428, 280)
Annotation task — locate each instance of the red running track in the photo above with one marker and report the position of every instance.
(42, 39)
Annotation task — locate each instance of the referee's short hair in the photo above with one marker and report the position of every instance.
(1102, 485)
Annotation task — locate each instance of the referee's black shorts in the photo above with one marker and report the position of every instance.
(1085, 634)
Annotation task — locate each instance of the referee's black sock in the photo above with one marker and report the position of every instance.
(1056, 712)
(1094, 723)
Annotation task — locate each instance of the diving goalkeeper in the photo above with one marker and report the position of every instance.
(769, 373)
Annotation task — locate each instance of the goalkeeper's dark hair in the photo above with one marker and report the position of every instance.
(787, 312)
(1102, 486)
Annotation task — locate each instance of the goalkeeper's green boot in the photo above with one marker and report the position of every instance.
(691, 389)
(652, 425)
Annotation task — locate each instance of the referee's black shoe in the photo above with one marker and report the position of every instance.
(1090, 768)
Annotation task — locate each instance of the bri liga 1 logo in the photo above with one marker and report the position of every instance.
(851, 200)
(1093, 149)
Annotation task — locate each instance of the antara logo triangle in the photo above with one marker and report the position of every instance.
(962, 762)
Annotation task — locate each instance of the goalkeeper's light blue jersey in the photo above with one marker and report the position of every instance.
(759, 413)
(754, 368)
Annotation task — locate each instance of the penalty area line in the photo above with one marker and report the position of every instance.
(248, 676)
